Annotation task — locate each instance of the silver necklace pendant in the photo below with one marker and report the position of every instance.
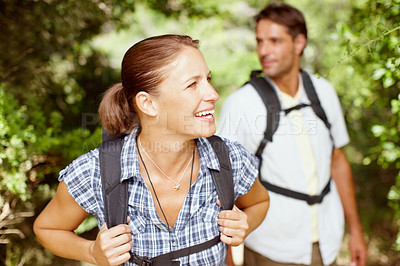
(177, 186)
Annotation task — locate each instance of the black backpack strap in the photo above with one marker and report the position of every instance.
(223, 179)
(271, 102)
(311, 200)
(115, 193)
(315, 102)
(165, 258)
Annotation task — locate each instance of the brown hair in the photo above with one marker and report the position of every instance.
(144, 67)
(285, 15)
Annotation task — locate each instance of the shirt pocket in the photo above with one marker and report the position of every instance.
(208, 213)
(207, 219)
(137, 223)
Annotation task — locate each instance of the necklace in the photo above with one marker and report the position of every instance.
(177, 184)
(158, 201)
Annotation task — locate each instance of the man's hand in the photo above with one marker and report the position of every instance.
(358, 249)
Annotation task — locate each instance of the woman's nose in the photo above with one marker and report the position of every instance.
(211, 95)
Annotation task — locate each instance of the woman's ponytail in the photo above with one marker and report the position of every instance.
(116, 113)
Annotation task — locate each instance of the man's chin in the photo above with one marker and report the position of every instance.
(269, 72)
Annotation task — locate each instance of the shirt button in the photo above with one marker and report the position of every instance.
(174, 243)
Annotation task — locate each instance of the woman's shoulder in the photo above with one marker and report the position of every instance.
(244, 166)
(234, 146)
(237, 152)
(83, 181)
(81, 167)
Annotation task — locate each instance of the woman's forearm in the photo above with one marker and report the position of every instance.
(65, 244)
(255, 204)
(54, 227)
(256, 214)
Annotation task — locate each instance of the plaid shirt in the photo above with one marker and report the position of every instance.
(150, 235)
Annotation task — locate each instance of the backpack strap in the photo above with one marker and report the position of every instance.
(271, 102)
(167, 259)
(310, 199)
(115, 193)
(315, 102)
(223, 180)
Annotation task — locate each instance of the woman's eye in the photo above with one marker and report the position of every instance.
(193, 85)
(209, 79)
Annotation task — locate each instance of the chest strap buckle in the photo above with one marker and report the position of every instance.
(141, 261)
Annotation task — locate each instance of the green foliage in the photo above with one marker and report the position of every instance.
(15, 135)
(394, 199)
(31, 153)
(367, 70)
(29, 145)
(88, 224)
(51, 79)
(49, 64)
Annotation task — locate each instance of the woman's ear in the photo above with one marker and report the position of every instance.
(145, 104)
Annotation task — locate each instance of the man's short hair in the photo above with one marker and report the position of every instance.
(285, 15)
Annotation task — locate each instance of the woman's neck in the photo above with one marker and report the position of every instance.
(170, 152)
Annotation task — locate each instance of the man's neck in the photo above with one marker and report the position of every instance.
(288, 84)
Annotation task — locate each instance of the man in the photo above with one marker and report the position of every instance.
(302, 157)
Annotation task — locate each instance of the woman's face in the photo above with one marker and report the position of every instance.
(185, 102)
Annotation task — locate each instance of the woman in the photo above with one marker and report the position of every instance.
(165, 107)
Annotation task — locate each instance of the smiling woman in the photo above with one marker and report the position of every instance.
(164, 109)
(187, 87)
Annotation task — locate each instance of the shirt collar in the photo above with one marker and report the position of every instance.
(129, 159)
(207, 153)
(288, 100)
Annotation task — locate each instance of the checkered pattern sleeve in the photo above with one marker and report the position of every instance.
(82, 178)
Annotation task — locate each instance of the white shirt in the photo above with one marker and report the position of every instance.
(285, 234)
(306, 152)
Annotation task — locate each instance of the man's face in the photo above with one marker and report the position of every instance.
(279, 54)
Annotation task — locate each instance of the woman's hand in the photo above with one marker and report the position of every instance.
(233, 225)
(112, 246)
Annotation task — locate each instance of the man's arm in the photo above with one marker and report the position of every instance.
(342, 174)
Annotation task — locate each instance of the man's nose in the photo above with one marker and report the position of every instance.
(264, 49)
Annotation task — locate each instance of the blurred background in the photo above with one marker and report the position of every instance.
(58, 56)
